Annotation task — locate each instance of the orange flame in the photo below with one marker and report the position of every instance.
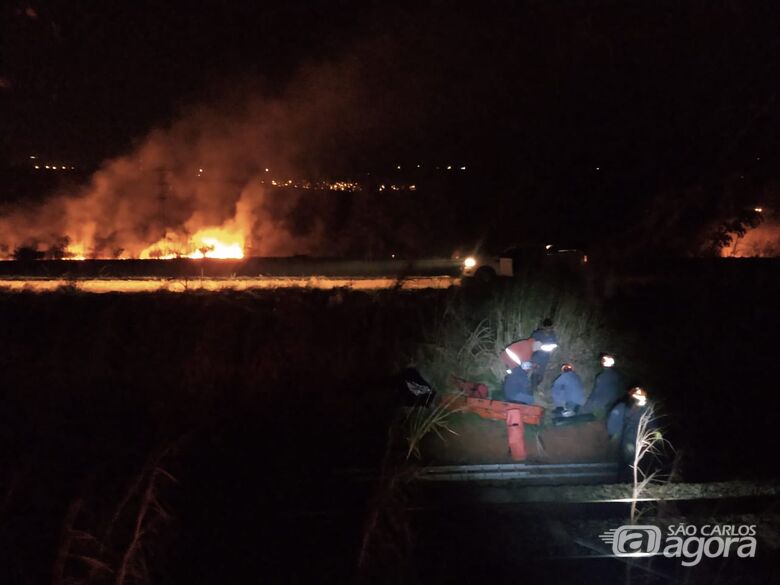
(75, 252)
(213, 242)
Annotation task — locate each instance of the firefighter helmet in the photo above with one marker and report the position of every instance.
(639, 395)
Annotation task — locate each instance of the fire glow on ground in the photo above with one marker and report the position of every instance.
(137, 285)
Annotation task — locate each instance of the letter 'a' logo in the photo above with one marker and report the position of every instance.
(633, 541)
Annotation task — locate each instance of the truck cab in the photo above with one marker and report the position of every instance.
(517, 259)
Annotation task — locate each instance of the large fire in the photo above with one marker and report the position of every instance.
(205, 243)
(213, 242)
(224, 180)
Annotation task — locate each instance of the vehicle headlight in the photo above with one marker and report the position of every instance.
(470, 262)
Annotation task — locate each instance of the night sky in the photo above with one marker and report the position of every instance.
(601, 99)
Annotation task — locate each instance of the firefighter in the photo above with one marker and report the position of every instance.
(547, 342)
(608, 388)
(623, 422)
(568, 393)
(517, 385)
(518, 352)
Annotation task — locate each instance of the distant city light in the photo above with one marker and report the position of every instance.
(32, 157)
(449, 167)
(352, 186)
(462, 168)
(758, 209)
(55, 167)
(598, 168)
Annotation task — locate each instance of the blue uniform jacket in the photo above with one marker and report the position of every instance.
(517, 387)
(567, 389)
(608, 388)
(540, 358)
(623, 422)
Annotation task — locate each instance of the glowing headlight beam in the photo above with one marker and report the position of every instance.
(470, 262)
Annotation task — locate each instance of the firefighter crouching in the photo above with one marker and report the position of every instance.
(608, 388)
(568, 393)
(517, 384)
(547, 342)
(623, 422)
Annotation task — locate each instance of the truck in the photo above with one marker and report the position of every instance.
(519, 259)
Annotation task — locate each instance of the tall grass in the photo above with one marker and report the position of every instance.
(422, 421)
(648, 448)
(119, 551)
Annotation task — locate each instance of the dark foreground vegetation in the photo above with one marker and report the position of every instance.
(223, 268)
(204, 438)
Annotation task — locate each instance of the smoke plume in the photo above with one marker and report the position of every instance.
(208, 182)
